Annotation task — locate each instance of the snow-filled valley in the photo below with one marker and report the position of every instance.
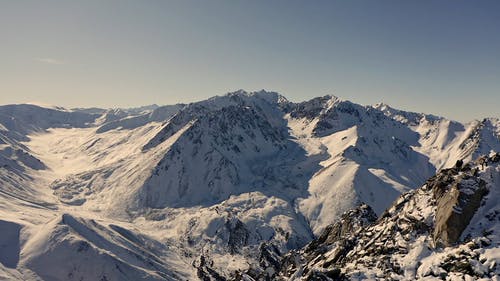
(239, 186)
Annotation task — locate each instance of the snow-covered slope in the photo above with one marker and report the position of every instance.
(69, 248)
(445, 141)
(367, 157)
(124, 119)
(192, 191)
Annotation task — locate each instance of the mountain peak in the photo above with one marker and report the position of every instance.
(269, 96)
(382, 106)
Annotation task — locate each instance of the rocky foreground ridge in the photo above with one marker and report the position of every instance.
(449, 229)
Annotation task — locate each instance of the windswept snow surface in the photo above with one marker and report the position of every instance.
(156, 192)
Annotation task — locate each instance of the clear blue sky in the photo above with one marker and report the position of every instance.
(440, 57)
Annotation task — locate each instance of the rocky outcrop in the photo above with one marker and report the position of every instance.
(351, 222)
(310, 261)
(456, 207)
(204, 270)
(238, 235)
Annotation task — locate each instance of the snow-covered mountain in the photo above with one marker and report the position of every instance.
(203, 190)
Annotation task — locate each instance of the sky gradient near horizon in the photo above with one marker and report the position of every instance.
(439, 57)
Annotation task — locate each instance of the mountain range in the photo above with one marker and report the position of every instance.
(247, 186)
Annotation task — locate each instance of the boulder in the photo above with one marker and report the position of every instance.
(455, 209)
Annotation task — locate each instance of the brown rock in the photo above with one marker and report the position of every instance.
(455, 209)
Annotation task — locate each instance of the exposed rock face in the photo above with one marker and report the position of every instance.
(456, 207)
(335, 238)
(351, 222)
(238, 235)
(204, 270)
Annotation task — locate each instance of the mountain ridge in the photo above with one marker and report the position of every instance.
(213, 180)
